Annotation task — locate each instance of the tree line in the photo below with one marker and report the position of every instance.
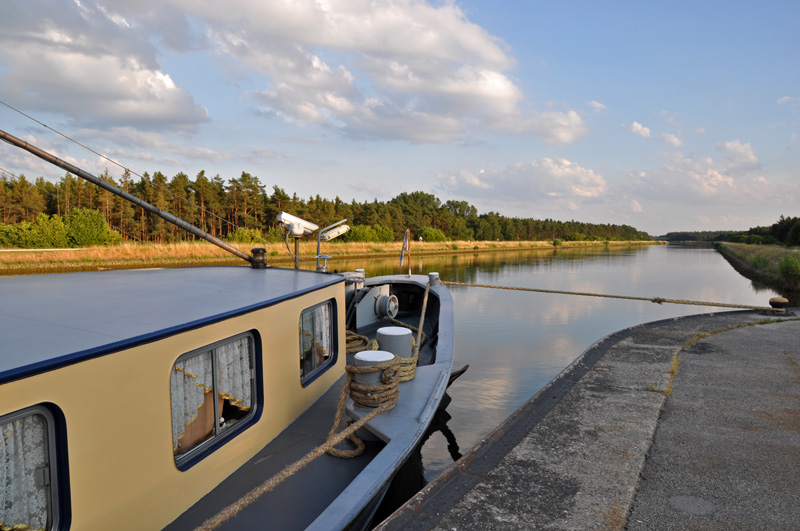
(786, 231)
(241, 209)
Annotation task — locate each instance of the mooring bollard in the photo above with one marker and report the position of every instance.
(368, 358)
(397, 340)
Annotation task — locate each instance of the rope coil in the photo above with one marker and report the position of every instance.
(388, 372)
(408, 366)
(373, 395)
(356, 342)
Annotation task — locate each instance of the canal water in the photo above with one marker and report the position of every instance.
(516, 342)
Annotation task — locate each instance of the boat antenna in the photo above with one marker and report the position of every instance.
(257, 260)
(325, 235)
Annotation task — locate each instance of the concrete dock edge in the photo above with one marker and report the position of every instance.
(571, 457)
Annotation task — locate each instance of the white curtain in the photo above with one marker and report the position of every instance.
(193, 377)
(23, 449)
(322, 329)
(190, 380)
(306, 328)
(233, 372)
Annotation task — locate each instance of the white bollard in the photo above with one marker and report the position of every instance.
(367, 358)
(397, 340)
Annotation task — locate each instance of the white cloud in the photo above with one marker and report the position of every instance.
(671, 140)
(380, 88)
(670, 117)
(400, 69)
(792, 102)
(596, 106)
(91, 65)
(397, 69)
(690, 180)
(636, 207)
(466, 179)
(701, 174)
(558, 127)
(547, 180)
(741, 156)
(639, 129)
(645, 132)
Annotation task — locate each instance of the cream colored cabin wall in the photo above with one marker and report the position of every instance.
(122, 473)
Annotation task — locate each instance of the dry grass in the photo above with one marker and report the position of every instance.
(673, 368)
(127, 251)
(766, 257)
(130, 255)
(702, 335)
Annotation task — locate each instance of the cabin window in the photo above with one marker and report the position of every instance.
(212, 391)
(27, 470)
(317, 349)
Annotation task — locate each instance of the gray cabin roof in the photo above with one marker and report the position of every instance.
(48, 321)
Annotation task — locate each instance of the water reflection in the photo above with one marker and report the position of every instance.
(516, 342)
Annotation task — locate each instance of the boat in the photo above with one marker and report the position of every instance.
(159, 398)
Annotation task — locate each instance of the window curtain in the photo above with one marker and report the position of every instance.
(193, 377)
(233, 372)
(306, 329)
(322, 331)
(23, 449)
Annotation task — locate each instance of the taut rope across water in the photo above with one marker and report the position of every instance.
(657, 300)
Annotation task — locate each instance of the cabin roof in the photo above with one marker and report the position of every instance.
(47, 321)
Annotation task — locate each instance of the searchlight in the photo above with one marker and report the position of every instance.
(325, 235)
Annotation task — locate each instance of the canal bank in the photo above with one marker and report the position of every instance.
(603, 447)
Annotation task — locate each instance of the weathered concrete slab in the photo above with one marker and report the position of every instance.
(726, 454)
(571, 458)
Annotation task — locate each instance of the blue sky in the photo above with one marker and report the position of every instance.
(664, 116)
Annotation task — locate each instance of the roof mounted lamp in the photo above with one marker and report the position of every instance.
(325, 235)
(296, 228)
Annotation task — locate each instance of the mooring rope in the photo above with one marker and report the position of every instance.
(408, 366)
(384, 396)
(356, 342)
(414, 329)
(657, 300)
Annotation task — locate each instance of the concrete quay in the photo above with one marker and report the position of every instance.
(603, 447)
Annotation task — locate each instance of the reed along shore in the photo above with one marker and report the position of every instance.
(183, 254)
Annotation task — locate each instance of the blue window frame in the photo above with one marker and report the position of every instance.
(213, 396)
(29, 470)
(318, 340)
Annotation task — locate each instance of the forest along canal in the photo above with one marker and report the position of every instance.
(516, 342)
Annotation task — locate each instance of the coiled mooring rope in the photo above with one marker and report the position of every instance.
(657, 300)
(384, 396)
(356, 342)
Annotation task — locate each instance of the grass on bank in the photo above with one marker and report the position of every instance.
(204, 253)
(773, 264)
(765, 257)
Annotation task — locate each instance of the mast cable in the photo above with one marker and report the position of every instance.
(3, 170)
(112, 161)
